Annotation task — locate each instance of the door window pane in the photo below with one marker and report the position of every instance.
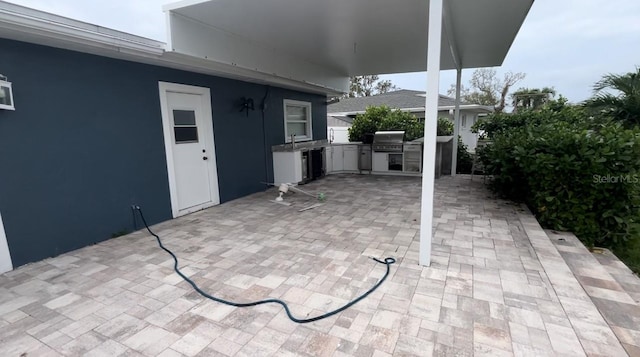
(187, 134)
(185, 129)
(184, 117)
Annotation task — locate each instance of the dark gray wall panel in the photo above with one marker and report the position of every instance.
(85, 143)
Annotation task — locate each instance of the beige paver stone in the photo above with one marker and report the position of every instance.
(380, 338)
(564, 340)
(151, 340)
(496, 286)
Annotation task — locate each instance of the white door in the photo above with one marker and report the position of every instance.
(191, 160)
(5, 257)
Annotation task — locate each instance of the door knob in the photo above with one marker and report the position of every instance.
(205, 158)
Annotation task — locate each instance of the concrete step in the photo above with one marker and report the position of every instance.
(610, 285)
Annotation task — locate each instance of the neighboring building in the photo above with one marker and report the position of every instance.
(105, 120)
(338, 128)
(410, 101)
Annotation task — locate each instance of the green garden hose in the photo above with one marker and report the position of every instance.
(387, 262)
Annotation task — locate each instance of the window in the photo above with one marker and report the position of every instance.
(297, 120)
(464, 120)
(6, 95)
(184, 127)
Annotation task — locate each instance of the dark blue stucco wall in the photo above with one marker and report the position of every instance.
(85, 143)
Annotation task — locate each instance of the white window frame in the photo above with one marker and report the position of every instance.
(308, 121)
(12, 106)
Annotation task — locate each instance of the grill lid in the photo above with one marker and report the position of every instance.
(388, 141)
(388, 137)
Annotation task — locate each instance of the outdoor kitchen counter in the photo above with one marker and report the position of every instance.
(301, 146)
(309, 145)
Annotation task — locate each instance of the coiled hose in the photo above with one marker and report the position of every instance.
(387, 262)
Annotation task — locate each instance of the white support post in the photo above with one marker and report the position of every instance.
(430, 129)
(456, 124)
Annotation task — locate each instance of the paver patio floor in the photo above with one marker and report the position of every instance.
(497, 285)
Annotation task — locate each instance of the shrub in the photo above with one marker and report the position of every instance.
(464, 160)
(575, 172)
(445, 127)
(385, 118)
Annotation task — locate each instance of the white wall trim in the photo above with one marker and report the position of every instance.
(5, 257)
(165, 88)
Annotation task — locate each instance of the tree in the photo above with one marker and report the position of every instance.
(624, 105)
(532, 98)
(486, 88)
(366, 86)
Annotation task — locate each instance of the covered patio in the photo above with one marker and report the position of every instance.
(497, 286)
(318, 45)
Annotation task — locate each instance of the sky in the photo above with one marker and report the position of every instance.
(564, 44)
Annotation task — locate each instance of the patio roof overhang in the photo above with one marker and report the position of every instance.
(323, 42)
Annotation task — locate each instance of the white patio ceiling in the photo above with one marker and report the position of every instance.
(322, 42)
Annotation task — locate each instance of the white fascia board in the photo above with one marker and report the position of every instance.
(179, 4)
(363, 111)
(475, 107)
(20, 19)
(420, 109)
(197, 39)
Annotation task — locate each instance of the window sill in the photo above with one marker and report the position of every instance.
(298, 140)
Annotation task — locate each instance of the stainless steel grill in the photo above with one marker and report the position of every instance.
(388, 141)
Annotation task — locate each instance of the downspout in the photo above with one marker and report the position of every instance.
(267, 149)
(456, 124)
(457, 60)
(430, 129)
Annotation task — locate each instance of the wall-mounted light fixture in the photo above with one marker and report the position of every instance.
(333, 100)
(6, 94)
(246, 104)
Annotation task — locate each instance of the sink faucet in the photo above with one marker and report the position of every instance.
(293, 141)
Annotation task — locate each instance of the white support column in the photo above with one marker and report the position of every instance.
(456, 125)
(430, 129)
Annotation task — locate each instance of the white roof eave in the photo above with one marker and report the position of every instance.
(29, 25)
(326, 41)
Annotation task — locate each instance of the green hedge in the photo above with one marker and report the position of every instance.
(575, 172)
(384, 118)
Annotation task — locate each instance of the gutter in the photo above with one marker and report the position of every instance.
(421, 109)
(15, 18)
